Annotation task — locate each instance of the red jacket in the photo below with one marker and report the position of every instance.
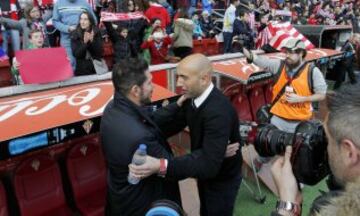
(157, 55)
(158, 11)
(312, 21)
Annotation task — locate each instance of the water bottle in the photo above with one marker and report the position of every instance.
(138, 159)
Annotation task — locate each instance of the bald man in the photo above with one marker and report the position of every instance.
(213, 124)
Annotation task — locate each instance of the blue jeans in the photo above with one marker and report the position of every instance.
(66, 43)
(14, 35)
(227, 42)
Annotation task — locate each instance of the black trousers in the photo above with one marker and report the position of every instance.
(346, 67)
(228, 36)
(218, 197)
(182, 52)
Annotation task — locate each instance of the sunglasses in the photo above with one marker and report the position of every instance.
(290, 51)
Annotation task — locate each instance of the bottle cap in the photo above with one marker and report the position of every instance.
(142, 147)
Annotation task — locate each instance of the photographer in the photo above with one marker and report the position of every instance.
(341, 127)
(297, 84)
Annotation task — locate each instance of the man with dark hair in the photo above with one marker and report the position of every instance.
(213, 124)
(124, 126)
(243, 35)
(341, 125)
(297, 84)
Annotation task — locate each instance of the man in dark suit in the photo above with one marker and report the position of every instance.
(124, 126)
(213, 123)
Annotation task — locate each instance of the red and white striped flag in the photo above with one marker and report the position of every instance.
(92, 4)
(109, 17)
(277, 34)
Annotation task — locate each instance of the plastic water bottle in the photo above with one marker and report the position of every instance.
(139, 158)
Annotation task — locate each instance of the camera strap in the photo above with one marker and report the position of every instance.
(282, 91)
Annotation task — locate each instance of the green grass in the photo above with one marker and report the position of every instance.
(246, 205)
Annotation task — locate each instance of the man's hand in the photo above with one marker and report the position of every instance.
(284, 178)
(151, 166)
(181, 100)
(231, 149)
(294, 98)
(247, 53)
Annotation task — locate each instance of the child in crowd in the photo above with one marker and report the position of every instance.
(33, 19)
(155, 22)
(123, 46)
(197, 33)
(36, 41)
(158, 44)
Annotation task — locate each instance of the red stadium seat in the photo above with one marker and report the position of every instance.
(87, 173)
(38, 188)
(240, 101)
(5, 74)
(212, 46)
(3, 201)
(268, 92)
(198, 47)
(257, 99)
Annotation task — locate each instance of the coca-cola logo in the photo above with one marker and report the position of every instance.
(86, 101)
(244, 67)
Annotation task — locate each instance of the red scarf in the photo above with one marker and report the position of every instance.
(13, 10)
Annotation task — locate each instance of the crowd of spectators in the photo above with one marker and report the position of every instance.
(167, 28)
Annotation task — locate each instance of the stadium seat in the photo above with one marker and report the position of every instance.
(268, 92)
(198, 47)
(3, 201)
(87, 174)
(240, 101)
(5, 73)
(212, 46)
(257, 99)
(39, 189)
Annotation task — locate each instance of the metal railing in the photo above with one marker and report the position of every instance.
(170, 68)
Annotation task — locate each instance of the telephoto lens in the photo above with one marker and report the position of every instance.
(309, 158)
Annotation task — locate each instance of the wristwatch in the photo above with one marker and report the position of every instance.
(290, 207)
(163, 167)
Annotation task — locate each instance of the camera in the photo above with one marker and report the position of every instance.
(309, 157)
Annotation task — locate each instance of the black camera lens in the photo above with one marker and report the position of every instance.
(309, 159)
(271, 141)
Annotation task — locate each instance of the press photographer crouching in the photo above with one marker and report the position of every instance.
(341, 125)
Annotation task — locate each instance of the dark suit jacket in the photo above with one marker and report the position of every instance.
(212, 126)
(123, 127)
